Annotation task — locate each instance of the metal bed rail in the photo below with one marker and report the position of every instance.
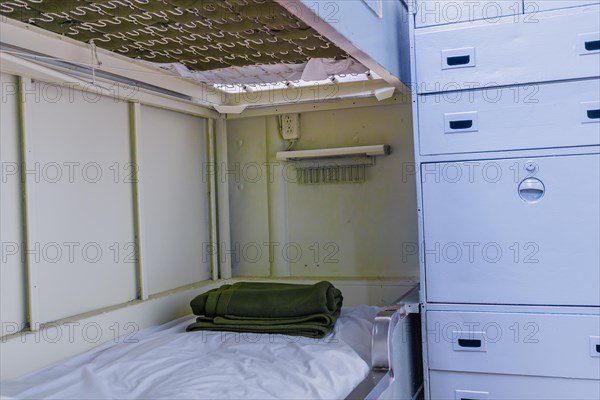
(396, 371)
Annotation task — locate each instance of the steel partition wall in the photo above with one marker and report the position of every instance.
(470, 146)
(130, 125)
(50, 339)
(357, 216)
(80, 222)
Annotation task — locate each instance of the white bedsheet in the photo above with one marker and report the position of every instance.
(169, 363)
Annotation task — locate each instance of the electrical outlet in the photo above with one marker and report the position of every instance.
(290, 126)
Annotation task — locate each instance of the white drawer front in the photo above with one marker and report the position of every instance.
(551, 46)
(514, 231)
(466, 386)
(511, 118)
(553, 345)
(534, 6)
(439, 12)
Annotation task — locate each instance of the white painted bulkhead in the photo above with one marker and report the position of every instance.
(345, 230)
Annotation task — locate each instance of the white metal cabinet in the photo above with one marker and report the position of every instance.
(534, 6)
(520, 117)
(438, 12)
(515, 343)
(559, 45)
(468, 386)
(489, 239)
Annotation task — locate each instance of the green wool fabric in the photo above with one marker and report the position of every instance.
(279, 308)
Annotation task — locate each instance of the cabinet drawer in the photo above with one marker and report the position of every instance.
(513, 231)
(463, 386)
(534, 6)
(519, 117)
(439, 12)
(559, 45)
(552, 345)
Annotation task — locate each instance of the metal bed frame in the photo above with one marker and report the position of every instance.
(395, 353)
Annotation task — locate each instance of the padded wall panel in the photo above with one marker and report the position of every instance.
(173, 199)
(80, 200)
(12, 276)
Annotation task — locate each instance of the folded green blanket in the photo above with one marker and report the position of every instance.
(291, 309)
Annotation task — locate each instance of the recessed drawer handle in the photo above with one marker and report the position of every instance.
(593, 114)
(470, 343)
(464, 124)
(598, 348)
(458, 60)
(590, 112)
(592, 45)
(531, 190)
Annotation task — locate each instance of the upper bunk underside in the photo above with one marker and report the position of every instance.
(227, 47)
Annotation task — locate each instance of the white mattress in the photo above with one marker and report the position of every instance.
(169, 363)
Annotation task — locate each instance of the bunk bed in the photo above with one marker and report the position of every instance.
(213, 60)
(355, 361)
